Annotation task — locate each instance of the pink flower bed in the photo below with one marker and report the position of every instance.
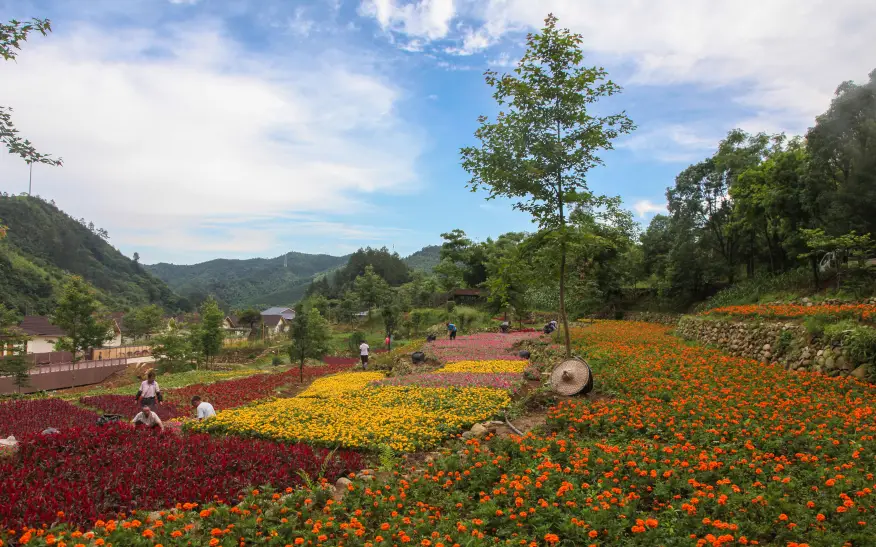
(507, 381)
(478, 347)
(22, 418)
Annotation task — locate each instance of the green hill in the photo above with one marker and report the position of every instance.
(425, 259)
(44, 246)
(252, 282)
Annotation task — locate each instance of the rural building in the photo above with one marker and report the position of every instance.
(230, 322)
(286, 313)
(43, 334)
(274, 324)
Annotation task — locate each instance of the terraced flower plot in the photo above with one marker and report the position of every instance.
(404, 418)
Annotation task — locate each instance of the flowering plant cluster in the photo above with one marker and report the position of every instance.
(125, 405)
(101, 472)
(698, 448)
(338, 384)
(479, 346)
(234, 393)
(502, 365)
(404, 418)
(25, 417)
(863, 312)
(496, 380)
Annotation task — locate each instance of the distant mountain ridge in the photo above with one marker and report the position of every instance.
(263, 282)
(45, 245)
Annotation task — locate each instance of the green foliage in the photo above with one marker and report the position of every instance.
(468, 319)
(251, 318)
(388, 459)
(77, 316)
(759, 288)
(371, 289)
(763, 203)
(277, 360)
(45, 246)
(391, 315)
(310, 337)
(172, 349)
(388, 266)
(142, 321)
(815, 324)
(858, 339)
(14, 363)
(210, 331)
(450, 306)
(356, 338)
(12, 35)
(256, 282)
(544, 140)
(425, 259)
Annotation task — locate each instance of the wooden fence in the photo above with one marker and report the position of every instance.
(63, 375)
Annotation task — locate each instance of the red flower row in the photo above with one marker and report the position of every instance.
(125, 405)
(21, 418)
(99, 472)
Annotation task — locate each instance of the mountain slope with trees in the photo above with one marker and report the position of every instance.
(44, 246)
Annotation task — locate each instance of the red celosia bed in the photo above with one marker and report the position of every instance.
(98, 472)
(478, 347)
(21, 418)
(234, 393)
(126, 405)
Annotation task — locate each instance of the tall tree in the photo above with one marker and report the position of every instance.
(211, 332)
(143, 321)
(171, 348)
(12, 35)
(310, 336)
(14, 361)
(251, 318)
(78, 316)
(371, 289)
(545, 139)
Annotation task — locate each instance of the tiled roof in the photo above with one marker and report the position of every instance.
(271, 320)
(39, 325)
(276, 311)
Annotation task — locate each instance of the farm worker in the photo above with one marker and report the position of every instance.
(205, 409)
(363, 353)
(451, 328)
(149, 393)
(148, 418)
(388, 341)
(505, 326)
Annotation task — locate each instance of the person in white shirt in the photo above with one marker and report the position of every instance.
(205, 409)
(148, 418)
(363, 354)
(150, 393)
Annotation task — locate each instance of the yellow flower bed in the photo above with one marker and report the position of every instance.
(338, 384)
(485, 366)
(405, 418)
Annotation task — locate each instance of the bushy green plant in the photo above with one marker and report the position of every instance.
(356, 338)
(784, 342)
(860, 341)
(276, 360)
(815, 324)
(760, 287)
(450, 306)
(835, 333)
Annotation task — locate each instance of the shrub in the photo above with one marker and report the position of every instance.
(276, 360)
(356, 338)
(450, 306)
(815, 324)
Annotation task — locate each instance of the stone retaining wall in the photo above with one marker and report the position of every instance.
(780, 342)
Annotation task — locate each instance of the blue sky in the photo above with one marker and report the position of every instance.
(196, 129)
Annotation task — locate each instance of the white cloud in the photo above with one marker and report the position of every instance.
(645, 207)
(161, 130)
(672, 143)
(300, 24)
(428, 19)
(785, 56)
(502, 61)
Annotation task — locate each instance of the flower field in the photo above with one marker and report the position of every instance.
(234, 393)
(505, 365)
(338, 384)
(26, 417)
(696, 448)
(404, 418)
(99, 472)
(478, 347)
(863, 312)
(508, 381)
(125, 405)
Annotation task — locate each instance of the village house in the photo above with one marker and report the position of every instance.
(274, 324)
(286, 313)
(43, 334)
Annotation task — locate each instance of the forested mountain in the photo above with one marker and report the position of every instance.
(44, 246)
(251, 282)
(425, 259)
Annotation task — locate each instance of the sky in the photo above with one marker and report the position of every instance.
(197, 129)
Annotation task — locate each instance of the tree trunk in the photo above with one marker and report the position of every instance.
(567, 337)
(814, 262)
(301, 372)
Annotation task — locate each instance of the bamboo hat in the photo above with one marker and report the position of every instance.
(572, 377)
